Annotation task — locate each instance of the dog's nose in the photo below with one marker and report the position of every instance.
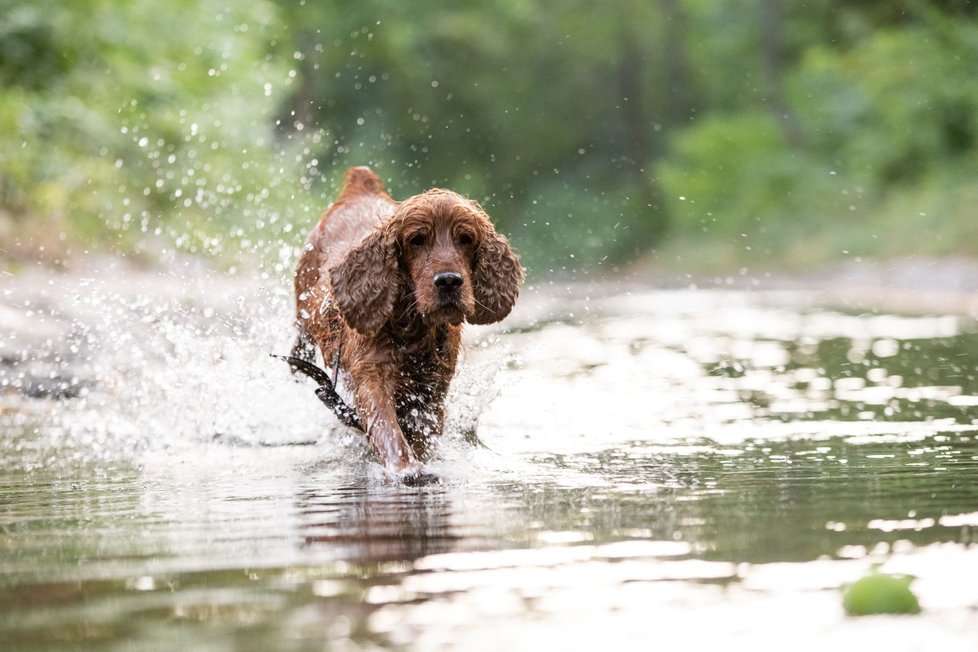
(448, 281)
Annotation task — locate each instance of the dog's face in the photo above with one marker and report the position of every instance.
(437, 235)
(441, 250)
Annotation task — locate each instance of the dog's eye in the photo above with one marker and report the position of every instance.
(465, 239)
(417, 240)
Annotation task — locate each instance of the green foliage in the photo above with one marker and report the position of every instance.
(896, 107)
(759, 130)
(146, 123)
(889, 147)
(732, 175)
(517, 105)
(934, 217)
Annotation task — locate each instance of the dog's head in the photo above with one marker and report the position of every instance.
(439, 249)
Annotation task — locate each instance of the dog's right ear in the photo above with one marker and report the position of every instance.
(365, 284)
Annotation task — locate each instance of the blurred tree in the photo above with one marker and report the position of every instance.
(591, 131)
(550, 117)
(129, 122)
(883, 99)
(773, 64)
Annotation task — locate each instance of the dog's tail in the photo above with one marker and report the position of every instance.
(361, 180)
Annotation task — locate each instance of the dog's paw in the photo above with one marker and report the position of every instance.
(418, 477)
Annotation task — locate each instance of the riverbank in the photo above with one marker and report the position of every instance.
(910, 284)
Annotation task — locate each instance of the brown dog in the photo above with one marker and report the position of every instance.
(382, 289)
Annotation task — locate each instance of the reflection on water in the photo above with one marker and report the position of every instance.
(653, 461)
(401, 525)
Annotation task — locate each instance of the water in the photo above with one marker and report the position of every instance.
(648, 468)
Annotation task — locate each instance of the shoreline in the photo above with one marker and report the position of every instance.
(906, 285)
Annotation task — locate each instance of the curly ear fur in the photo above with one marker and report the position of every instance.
(365, 284)
(496, 279)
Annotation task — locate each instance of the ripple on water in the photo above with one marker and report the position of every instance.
(677, 458)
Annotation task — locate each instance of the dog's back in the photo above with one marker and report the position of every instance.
(361, 205)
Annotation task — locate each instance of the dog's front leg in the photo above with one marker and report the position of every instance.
(379, 417)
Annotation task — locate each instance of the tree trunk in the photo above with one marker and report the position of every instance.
(772, 60)
(638, 125)
(678, 97)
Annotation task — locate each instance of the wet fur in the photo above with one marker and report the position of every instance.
(366, 298)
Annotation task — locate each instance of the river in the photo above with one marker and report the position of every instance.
(625, 467)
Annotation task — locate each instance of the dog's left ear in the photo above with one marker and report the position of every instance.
(365, 284)
(496, 279)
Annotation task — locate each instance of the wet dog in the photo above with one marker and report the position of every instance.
(382, 289)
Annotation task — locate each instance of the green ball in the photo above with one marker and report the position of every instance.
(880, 594)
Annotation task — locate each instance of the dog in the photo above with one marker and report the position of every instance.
(382, 289)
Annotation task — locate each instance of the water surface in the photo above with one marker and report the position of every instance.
(624, 467)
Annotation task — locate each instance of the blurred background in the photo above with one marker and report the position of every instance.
(601, 136)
